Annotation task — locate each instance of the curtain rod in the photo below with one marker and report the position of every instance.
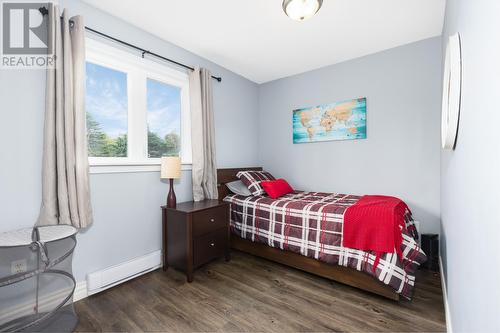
(45, 11)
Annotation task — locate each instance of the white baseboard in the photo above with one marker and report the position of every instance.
(449, 328)
(112, 276)
(80, 291)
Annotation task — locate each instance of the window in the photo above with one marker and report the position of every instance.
(107, 111)
(164, 119)
(137, 111)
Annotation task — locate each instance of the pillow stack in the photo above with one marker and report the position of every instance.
(260, 183)
(253, 180)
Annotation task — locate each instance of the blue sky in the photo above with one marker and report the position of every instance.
(164, 108)
(106, 100)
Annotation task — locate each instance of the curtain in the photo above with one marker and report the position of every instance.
(65, 169)
(202, 135)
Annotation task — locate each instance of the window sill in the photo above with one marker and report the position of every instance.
(96, 168)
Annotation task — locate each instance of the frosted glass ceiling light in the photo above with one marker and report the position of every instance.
(301, 10)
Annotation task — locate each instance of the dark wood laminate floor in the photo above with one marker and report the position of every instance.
(252, 294)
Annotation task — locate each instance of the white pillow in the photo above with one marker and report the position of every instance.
(237, 187)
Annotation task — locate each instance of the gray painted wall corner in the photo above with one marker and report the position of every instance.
(401, 153)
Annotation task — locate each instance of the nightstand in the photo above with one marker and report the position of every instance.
(195, 233)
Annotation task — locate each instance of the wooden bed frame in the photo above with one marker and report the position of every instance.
(340, 274)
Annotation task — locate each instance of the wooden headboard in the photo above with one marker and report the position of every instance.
(225, 176)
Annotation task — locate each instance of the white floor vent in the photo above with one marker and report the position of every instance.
(109, 277)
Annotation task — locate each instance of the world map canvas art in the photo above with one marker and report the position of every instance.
(336, 121)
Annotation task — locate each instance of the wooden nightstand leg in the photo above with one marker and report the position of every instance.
(189, 250)
(165, 261)
(164, 226)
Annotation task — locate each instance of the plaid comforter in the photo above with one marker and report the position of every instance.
(310, 223)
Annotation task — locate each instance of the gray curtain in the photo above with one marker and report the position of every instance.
(202, 135)
(65, 169)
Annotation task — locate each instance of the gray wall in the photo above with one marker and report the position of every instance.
(400, 156)
(470, 175)
(126, 206)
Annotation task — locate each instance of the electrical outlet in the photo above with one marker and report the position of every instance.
(19, 266)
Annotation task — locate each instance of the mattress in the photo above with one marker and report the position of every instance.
(310, 223)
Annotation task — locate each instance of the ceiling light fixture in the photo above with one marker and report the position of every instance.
(301, 10)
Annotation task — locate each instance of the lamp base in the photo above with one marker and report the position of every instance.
(171, 199)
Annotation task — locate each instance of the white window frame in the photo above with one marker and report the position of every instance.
(138, 70)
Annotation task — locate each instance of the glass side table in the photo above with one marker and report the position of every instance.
(36, 279)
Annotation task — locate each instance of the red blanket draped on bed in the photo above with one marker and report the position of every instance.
(374, 224)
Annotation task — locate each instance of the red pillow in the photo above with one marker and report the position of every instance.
(276, 188)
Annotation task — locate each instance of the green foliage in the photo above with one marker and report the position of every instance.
(157, 147)
(100, 145)
(119, 146)
(173, 144)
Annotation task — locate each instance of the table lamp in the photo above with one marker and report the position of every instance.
(171, 169)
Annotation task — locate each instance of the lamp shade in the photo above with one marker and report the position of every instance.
(170, 167)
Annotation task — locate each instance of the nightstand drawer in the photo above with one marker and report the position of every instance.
(209, 246)
(210, 220)
(195, 233)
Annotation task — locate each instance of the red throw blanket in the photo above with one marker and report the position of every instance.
(374, 224)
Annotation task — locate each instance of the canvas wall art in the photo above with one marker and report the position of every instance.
(336, 121)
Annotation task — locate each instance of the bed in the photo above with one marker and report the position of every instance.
(304, 230)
